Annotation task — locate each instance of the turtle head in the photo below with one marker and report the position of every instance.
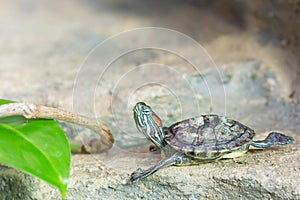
(148, 123)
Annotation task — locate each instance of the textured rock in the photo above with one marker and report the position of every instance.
(257, 175)
(270, 174)
(15, 184)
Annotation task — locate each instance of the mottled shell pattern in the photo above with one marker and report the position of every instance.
(208, 136)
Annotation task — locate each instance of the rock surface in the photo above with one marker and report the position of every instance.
(44, 45)
(268, 174)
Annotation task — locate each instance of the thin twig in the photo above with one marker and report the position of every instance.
(33, 111)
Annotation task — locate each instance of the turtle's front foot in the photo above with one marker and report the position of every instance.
(137, 174)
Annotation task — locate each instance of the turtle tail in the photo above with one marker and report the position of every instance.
(273, 138)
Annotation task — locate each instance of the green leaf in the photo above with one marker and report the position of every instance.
(4, 101)
(38, 147)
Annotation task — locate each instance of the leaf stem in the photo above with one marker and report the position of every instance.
(33, 111)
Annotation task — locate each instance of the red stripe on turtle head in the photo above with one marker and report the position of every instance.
(156, 119)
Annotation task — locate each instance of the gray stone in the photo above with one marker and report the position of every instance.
(269, 174)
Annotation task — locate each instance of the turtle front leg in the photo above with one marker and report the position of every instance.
(273, 138)
(175, 159)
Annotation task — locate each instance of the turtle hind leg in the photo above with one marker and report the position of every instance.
(273, 138)
(153, 148)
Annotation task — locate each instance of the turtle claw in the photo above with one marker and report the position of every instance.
(137, 174)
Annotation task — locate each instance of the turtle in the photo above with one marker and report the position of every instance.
(200, 139)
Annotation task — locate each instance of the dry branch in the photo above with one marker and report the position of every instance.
(33, 111)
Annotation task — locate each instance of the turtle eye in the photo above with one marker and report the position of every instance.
(146, 111)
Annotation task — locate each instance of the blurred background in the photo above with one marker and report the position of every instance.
(45, 44)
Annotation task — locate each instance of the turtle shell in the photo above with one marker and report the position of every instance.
(208, 136)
